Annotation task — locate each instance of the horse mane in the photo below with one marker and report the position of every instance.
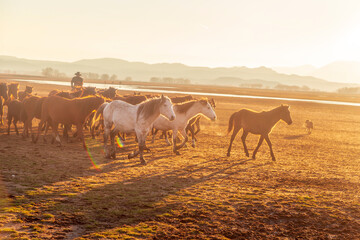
(147, 108)
(185, 106)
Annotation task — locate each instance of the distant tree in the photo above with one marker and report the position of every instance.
(47, 72)
(128, 79)
(113, 77)
(91, 75)
(349, 90)
(105, 77)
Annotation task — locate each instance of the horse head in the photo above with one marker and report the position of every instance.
(166, 108)
(28, 89)
(285, 114)
(207, 109)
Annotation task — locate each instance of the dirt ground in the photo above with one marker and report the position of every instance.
(310, 192)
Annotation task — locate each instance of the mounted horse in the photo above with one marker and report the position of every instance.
(259, 123)
(184, 112)
(128, 118)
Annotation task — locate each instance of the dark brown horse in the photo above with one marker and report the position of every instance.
(13, 89)
(3, 97)
(31, 109)
(13, 113)
(181, 99)
(108, 93)
(57, 110)
(26, 93)
(259, 123)
(132, 99)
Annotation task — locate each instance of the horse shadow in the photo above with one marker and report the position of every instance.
(292, 137)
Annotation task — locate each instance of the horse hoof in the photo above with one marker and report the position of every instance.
(143, 162)
(113, 155)
(130, 156)
(177, 153)
(247, 154)
(228, 154)
(253, 157)
(193, 145)
(274, 159)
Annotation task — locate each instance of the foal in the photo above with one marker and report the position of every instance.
(184, 112)
(259, 123)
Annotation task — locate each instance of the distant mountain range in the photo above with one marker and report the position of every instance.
(341, 71)
(139, 71)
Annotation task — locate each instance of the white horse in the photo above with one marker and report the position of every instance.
(128, 118)
(184, 112)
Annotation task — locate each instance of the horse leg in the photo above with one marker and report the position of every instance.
(113, 133)
(175, 149)
(154, 132)
(142, 146)
(236, 130)
(261, 139)
(15, 120)
(35, 139)
(9, 123)
(193, 139)
(197, 123)
(54, 127)
(243, 138)
(183, 133)
(47, 125)
(106, 136)
(267, 139)
(80, 136)
(167, 136)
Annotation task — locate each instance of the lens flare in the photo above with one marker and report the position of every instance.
(119, 142)
(93, 162)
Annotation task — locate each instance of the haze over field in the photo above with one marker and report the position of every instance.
(236, 43)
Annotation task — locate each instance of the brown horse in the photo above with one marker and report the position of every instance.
(13, 89)
(26, 93)
(108, 93)
(3, 97)
(181, 99)
(31, 109)
(259, 123)
(132, 99)
(57, 110)
(13, 113)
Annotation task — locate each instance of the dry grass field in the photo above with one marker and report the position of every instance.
(310, 192)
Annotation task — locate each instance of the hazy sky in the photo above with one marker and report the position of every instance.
(195, 32)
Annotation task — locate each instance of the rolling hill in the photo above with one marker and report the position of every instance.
(139, 71)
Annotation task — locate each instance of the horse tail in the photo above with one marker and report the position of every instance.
(98, 114)
(231, 122)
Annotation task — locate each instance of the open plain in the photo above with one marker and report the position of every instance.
(310, 192)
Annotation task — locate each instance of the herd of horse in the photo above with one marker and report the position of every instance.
(115, 115)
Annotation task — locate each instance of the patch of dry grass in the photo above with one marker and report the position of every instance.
(312, 191)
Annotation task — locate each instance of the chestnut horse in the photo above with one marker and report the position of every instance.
(259, 123)
(13, 113)
(13, 89)
(31, 109)
(57, 110)
(3, 97)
